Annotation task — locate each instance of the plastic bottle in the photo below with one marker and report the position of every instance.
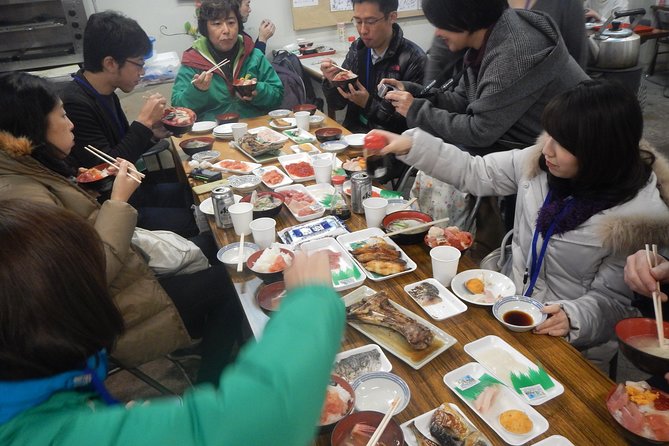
(339, 207)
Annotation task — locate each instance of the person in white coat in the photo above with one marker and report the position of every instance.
(588, 196)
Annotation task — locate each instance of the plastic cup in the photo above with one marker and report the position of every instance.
(323, 169)
(302, 120)
(239, 130)
(375, 210)
(241, 215)
(264, 231)
(445, 261)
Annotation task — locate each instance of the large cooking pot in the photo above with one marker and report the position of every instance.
(617, 47)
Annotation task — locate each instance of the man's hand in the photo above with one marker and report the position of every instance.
(401, 100)
(266, 30)
(328, 69)
(152, 110)
(357, 94)
(641, 278)
(202, 81)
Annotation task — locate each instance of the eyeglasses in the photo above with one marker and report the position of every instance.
(367, 22)
(137, 64)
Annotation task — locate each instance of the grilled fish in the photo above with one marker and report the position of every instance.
(421, 440)
(355, 365)
(426, 294)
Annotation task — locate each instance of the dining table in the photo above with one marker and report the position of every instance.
(579, 414)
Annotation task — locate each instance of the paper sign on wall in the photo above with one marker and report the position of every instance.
(303, 3)
(341, 5)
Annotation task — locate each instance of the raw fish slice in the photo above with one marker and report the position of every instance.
(486, 399)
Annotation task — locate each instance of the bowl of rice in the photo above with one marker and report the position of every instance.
(339, 402)
(270, 263)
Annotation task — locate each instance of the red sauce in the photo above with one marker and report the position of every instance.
(662, 402)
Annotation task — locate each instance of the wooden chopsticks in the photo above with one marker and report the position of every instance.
(215, 67)
(376, 436)
(412, 228)
(240, 260)
(657, 304)
(108, 159)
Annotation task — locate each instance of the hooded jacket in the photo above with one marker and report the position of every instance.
(403, 60)
(525, 64)
(153, 326)
(220, 97)
(583, 268)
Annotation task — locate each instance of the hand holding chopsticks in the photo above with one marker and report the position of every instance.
(384, 423)
(108, 159)
(657, 304)
(413, 228)
(212, 69)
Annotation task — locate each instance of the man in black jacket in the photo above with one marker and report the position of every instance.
(380, 52)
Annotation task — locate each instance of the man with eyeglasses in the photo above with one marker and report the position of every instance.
(380, 52)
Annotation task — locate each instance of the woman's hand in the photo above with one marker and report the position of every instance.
(397, 144)
(307, 269)
(357, 94)
(202, 81)
(557, 323)
(254, 93)
(592, 14)
(152, 110)
(124, 186)
(401, 100)
(641, 278)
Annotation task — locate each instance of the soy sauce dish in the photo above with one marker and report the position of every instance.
(519, 313)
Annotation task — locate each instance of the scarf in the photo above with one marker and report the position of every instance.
(581, 210)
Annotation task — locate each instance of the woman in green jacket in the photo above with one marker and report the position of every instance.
(209, 94)
(57, 319)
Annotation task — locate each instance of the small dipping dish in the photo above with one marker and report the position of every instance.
(229, 254)
(519, 313)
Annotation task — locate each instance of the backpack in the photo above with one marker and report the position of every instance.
(297, 85)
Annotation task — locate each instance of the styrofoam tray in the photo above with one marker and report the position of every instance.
(268, 135)
(468, 375)
(316, 207)
(347, 274)
(323, 193)
(554, 440)
(449, 305)
(299, 136)
(383, 366)
(260, 171)
(481, 349)
(312, 148)
(287, 160)
(248, 167)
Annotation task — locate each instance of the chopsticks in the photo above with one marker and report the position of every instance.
(108, 159)
(215, 67)
(412, 228)
(240, 260)
(408, 205)
(657, 304)
(376, 436)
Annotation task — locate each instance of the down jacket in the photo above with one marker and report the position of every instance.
(582, 268)
(153, 325)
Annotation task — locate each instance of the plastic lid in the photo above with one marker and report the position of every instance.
(338, 179)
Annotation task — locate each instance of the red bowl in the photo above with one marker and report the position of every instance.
(632, 438)
(328, 134)
(244, 89)
(180, 127)
(89, 181)
(392, 436)
(311, 108)
(266, 277)
(406, 238)
(192, 146)
(267, 212)
(336, 380)
(267, 296)
(641, 326)
(227, 118)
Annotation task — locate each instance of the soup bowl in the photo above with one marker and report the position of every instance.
(342, 433)
(191, 146)
(401, 219)
(311, 108)
(267, 277)
(630, 332)
(270, 211)
(328, 134)
(338, 391)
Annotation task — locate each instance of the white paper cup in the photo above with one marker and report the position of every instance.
(264, 231)
(375, 210)
(323, 169)
(239, 130)
(241, 215)
(302, 120)
(445, 261)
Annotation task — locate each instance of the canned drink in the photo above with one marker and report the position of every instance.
(222, 198)
(361, 188)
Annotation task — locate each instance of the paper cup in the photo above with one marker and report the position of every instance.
(445, 261)
(323, 169)
(264, 231)
(302, 120)
(241, 215)
(239, 130)
(375, 210)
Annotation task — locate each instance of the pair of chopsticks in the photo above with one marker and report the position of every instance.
(240, 260)
(108, 159)
(413, 228)
(657, 304)
(215, 67)
(376, 436)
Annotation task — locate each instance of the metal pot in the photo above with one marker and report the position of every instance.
(617, 47)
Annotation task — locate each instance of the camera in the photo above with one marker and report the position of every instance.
(382, 89)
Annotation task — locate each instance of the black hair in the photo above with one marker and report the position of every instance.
(112, 34)
(463, 15)
(385, 6)
(601, 124)
(55, 306)
(217, 10)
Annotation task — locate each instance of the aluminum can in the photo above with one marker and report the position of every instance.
(222, 198)
(361, 188)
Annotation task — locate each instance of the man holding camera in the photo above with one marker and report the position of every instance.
(380, 52)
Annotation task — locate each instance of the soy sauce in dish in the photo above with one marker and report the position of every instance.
(518, 318)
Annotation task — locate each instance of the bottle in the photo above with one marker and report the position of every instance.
(341, 32)
(377, 165)
(339, 207)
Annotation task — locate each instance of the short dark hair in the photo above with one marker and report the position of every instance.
(463, 15)
(385, 6)
(216, 10)
(25, 102)
(55, 307)
(112, 34)
(601, 124)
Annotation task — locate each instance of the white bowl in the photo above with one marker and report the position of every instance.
(316, 120)
(281, 113)
(203, 127)
(522, 304)
(208, 155)
(334, 146)
(244, 183)
(229, 254)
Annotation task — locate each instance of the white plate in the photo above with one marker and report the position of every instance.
(393, 341)
(299, 136)
(501, 360)
(449, 305)
(291, 123)
(203, 127)
(554, 440)
(268, 135)
(497, 283)
(377, 390)
(323, 193)
(383, 365)
(317, 209)
(423, 425)
(209, 155)
(223, 129)
(280, 113)
(287, 160)
(260, 171)
(246, 166)
(354, 238)
(347, 274)
(355, 140)
(207, 206)
(312, 148)
(467, 376)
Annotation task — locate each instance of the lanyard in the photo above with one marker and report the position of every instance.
(369, 67)
(534, 263)
(102, 101)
